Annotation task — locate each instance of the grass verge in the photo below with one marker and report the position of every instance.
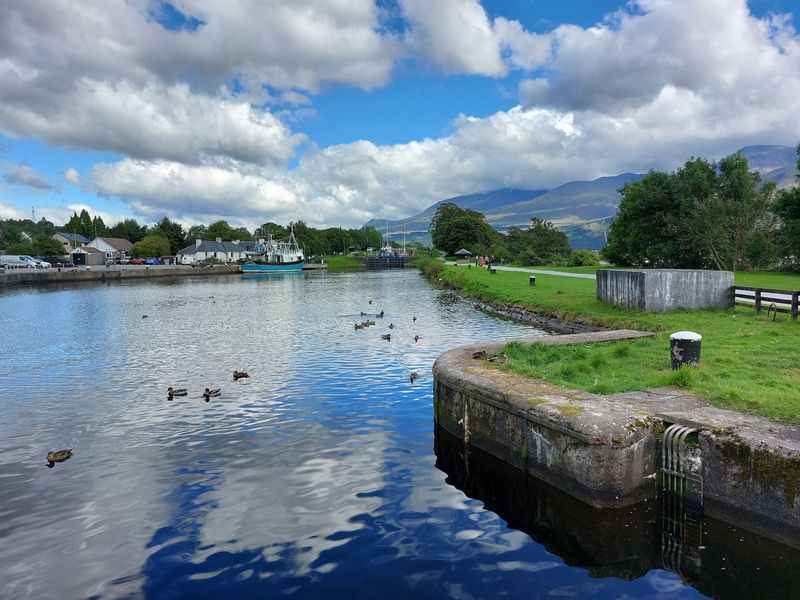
(749, 363)
(338, 263)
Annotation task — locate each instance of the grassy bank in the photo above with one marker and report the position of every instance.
(340, 263)
(749, 363)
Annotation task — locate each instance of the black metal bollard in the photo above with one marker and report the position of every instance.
(532, 280)
(492, 270)
(685, 349)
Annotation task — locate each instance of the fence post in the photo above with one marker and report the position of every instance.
(795, 302)
(758, 300)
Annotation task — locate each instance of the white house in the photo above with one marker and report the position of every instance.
(114, 248)
(226, 252)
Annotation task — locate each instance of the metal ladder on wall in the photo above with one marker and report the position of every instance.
(681, 501)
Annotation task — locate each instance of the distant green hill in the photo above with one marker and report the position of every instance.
(582, 209)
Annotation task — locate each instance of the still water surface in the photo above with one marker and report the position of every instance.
(315, 477)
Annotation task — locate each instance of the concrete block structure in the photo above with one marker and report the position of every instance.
(659, 290)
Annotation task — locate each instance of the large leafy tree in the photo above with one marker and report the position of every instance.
(196, 232)
(98, 227)
(453, 228)
(652, 224)
(273, 229)
(129, 229)
(541, 243)
(151, 245)
(46, 246)
(173, 231)
(86, 224)
(736, 217)
(703, 215)
(242, 234)
(787, 207)
(311, 240)
(222, 230)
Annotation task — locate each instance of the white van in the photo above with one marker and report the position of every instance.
(13, 261)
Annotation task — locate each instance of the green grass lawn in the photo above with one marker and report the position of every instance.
(749, 363)
(337, 262)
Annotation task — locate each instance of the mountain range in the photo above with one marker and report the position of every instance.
(582, 209)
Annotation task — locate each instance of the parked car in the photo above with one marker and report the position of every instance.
(137, 261)
(32, 262)
(152, 261)
(13, 261)
(44, 262)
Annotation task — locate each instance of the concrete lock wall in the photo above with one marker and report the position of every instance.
(48, 276)
(659, 290)
(605, 450)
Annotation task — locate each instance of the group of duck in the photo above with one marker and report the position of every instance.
(59, 456)
(208, 393)
(413, 376)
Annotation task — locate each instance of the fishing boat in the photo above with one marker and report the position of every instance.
(272, 256)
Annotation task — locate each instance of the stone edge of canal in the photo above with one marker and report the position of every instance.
(605, 450)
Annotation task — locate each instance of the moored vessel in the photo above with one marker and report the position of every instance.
(275, 256)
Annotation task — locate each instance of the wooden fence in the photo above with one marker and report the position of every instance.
(760, 298)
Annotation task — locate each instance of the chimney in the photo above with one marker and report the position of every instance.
(219, 240)
(197, 242)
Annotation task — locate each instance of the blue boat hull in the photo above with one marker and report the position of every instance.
(253, 267)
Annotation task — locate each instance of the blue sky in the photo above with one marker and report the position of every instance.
(414, 80)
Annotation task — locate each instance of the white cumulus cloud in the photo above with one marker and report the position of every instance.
(72, 176)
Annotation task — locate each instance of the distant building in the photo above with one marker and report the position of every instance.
(26, 237)
(226, 252)
(114, 248)
(86, 255)
(70, 241)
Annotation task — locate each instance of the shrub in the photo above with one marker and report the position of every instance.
(431, 268)
(584, 258)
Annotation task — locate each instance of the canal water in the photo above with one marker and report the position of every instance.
(319, 476)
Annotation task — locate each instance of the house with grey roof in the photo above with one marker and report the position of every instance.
(227, 252)
(70, 241)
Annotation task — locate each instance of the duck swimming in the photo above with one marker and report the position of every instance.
(391, 325)
(240, 375)
(414, 376)
(173, 392)
(387, 337)
(58, 456)
(208, 393)
(417, 338)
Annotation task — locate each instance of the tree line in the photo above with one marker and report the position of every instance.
(707, 215)
(454, 228)
(167, 237)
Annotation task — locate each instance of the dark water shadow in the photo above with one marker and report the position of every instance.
(716, 558)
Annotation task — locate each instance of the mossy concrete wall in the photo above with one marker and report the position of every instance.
(605, 450)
